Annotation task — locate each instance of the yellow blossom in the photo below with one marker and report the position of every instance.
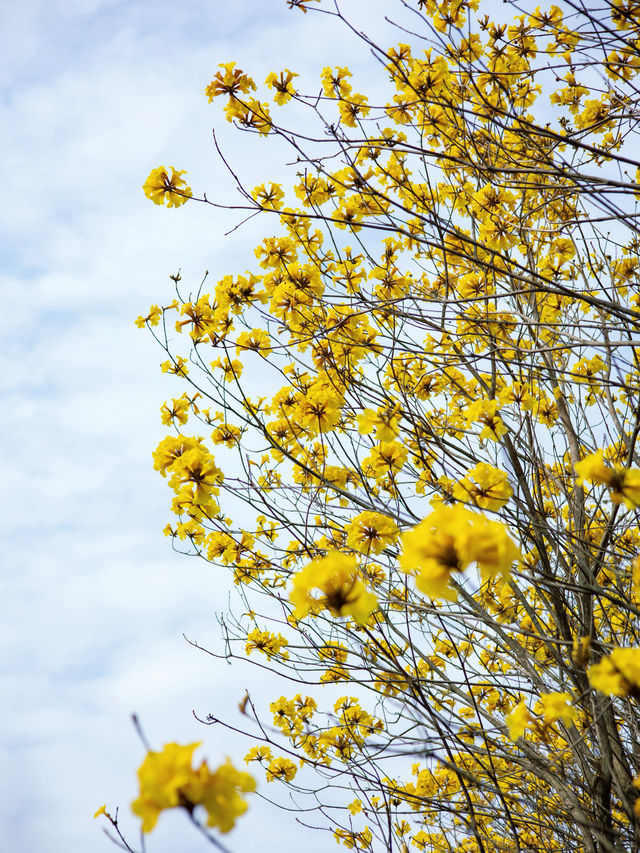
(449, 540)
(618, 674)
(593, 469)
(178, 411)
(371, 532)
(270, 198)
(623, 483)
(319, 409)
(485, 486)
(257, 340)
(197, 471)
(268, 643)
(343, 592)
(152, 318)
(231, 81)
(284, 90)
(485, 412)
(386, 458)
(259, 753)
(518, 720)
(281, 768)
(161, 188)
(103, 811)
(555, 706)
(167, 780)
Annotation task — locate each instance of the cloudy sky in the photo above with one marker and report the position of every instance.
(95, 93)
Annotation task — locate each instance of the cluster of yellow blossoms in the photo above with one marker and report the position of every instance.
(623, 483)
(168, 781)
(341, 740)
(163, 188)
(343, 592)
(618, 674)
(269, 644)
(449, 540)
(446, 542)
(552, 707)
(194, 475)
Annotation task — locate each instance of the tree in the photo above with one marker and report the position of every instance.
(431, 511)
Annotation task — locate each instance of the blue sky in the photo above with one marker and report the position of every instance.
(94, 94)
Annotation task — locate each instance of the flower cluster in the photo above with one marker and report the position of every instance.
(194, 476)
(163, 188)
(241, 107)
(269, 644)
(617, 674)
(623, 483)
(484, 486)
(168, 781)
(551, 707)
(343, 593)
(371, 532)
(449, 540)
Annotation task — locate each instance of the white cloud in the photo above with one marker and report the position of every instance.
(97, 93)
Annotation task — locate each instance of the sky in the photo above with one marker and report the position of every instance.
(93, 95)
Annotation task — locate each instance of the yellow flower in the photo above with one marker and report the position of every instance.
(626, 489)
(249, 114)
(517, 393)
(354, 840)
(269, 644)
(232, 368)
(301, 4)
(351, 108)
(384, 421)
(176, 366)
(518, 720)
(281, 768)
(271, 198)
(259, 753)
(485, 412)
(485, 486)
(367, 421)
(152, 318)
(102, 810)
(199, 473)
(371, 532)
(555, 706)
(334, 82)
(623, 483)
(593, 468)
(449, 540)
(606, 678)
(179, 411)
(162, 775)
(489, 545)
(618, 674)
(282, 85)
(232, 82)
(227, 434)
(257, 340)
(320, 409)
(337, 577)
(386, 458)
(161, 188)
(221, 794)
(167, 780)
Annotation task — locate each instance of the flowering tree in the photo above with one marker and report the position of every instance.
(431, 511)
